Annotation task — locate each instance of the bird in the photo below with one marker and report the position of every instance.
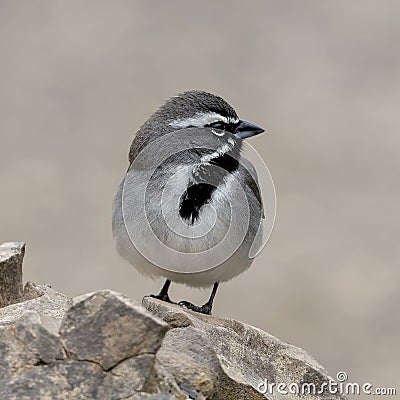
(186, 170)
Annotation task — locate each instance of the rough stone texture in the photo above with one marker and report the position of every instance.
(104, 328)
(227, 359)
(59, 380)
(108, 347)
(42, 299)
(105, 346)
(11, 256)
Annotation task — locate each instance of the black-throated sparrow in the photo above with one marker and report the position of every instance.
(190, 207)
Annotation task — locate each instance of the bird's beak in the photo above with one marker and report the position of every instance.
(246, 129)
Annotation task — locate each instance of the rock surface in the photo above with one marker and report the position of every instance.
(109, 347)
(41, 299)
(11, 256)
(106, 346)
(107, 328)
(226, 359)
(103, 348)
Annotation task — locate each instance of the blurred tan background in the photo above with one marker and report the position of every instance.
(77, 80)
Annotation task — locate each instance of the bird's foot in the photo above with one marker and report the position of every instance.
(161, 296)
(204, 309)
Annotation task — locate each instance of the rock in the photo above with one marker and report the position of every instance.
(11, 256)
(129, 376)
(148, 396)
(49, 303)
(27, 346)
(67, 379)
(160, 380)
(12, 291)
(106, 346)
(31, 291)
(107, 328)
(109, 347)
(227, 359)
(39, 334)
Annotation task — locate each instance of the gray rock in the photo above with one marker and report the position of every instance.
(161, 381)
(110, 343)
(148, 396)
(108, 347)
(30, 340)
(227, 359)
(135, 377)
(105, 346)
(32, 291)
(67, 379)
(39, 334)
(15, 356)
(118, 337)
(107, 328)
(11, 256)
(42, 300)
(129, 377)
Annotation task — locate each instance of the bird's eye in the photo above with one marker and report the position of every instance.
(218, 125)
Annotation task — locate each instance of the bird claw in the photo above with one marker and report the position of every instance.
(162, 297)
(204, 309)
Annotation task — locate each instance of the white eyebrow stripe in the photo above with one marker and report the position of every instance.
(202, 119)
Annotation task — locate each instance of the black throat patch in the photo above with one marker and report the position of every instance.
(207, 177)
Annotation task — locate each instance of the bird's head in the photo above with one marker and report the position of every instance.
(193, 109)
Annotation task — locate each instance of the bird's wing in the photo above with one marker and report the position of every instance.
(249, 173)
